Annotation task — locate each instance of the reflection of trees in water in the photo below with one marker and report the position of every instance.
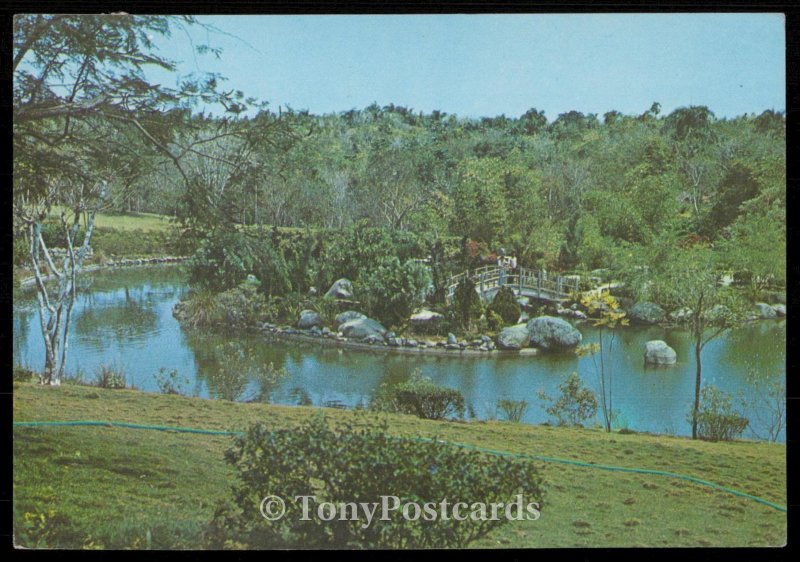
(128, 317)
(760, 346)
(236, 370)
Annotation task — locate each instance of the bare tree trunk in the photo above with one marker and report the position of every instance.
(55, 313)
(698, 348)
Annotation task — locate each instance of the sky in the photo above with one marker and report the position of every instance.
(487, 65)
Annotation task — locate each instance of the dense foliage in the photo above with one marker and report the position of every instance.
(577, 192)
(361, 463)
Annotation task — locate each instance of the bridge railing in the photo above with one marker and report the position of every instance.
(544, 285)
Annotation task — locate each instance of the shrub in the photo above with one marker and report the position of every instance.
(574, 405)
(327, 308)
(716, 419)
(512, 410)
(393, 290)
(466, 306)
(109, 377)
(169, 382)
(200, 309)
(505, 305)
(421, 397)
(359, 462)
(494, 321)
(242, 305)
(21, 374)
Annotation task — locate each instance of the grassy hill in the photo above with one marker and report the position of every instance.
(112, 487)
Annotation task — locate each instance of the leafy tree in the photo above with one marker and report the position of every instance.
(690, 279)
(83, 107)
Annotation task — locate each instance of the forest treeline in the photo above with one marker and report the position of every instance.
(579, 192)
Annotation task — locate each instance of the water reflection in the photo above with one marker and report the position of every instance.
(125, 319)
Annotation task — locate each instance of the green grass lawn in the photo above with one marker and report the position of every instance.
(112, 487)
(127, 221)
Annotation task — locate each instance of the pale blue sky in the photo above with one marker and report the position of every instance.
(481, 65)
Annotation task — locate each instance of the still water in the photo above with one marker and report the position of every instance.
(124, 318)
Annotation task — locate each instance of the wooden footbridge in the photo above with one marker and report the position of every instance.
(524, 282)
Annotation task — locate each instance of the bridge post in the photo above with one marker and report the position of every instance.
(559, 281)
(482, 278)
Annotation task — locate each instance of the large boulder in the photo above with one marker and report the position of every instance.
(348, 315)
(426, 320)
(362, 328)
(513, 337)
(553, 334)
(646, 313)
(657, 352)
(765, 311)
(341, 289)
(309, 319)
(780, 309)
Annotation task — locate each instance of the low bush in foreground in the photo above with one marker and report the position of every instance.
(351, 465)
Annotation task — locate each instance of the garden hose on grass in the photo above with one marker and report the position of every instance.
(646, 471)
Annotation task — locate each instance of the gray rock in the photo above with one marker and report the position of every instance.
(513, 337)
(523, 318)
(683, 314)
(718, 314)
(309, 319)
(348, 315)
(394, 342)
(425, 317)
(553, 334)
(780, 309)
(765, 311)
(452, 346)
(657, 352)
(411, 343)
(451, 339)
(646, 313)
(362, 328)
(341, 289)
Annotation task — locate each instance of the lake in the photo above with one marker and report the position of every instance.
(124, 318)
